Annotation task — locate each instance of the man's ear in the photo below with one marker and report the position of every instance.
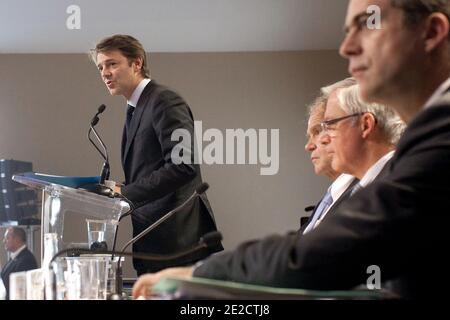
(137, 64)
(368, 123)
(437, 30)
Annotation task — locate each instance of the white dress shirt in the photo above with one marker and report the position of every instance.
(375, 169)
(438, 93)
(338, 187)
(137, 92)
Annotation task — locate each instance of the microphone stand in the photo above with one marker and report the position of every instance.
(208, 240)
(198, 191)
(106, 168)
(100, 188)
(132, 208)
(140, 255)
(93, 143)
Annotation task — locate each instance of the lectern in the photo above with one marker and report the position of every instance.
(59, 200)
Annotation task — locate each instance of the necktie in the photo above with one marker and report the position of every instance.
(130, 111)
(355, 189)
(326, 202)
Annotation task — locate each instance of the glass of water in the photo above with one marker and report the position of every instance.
(96, 233)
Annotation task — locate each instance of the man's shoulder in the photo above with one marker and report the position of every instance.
(431, 122)
(429, 131)
(156, 95)
(25, 254)
(162, 91)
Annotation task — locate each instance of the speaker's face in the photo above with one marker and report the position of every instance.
(119, 75)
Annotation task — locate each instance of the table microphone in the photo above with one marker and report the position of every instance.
(99, 188)
(209, 240)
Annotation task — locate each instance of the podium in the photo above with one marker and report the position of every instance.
(59, 201)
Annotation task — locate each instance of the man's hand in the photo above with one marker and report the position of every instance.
(144, 284)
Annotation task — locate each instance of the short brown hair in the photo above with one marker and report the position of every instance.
(417, 10)
(130, 47)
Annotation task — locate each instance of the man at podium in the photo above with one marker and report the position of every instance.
(153, 182)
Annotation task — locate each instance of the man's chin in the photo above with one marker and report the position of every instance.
(113, 92)
(318, 170)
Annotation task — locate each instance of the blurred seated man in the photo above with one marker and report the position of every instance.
(21, 258)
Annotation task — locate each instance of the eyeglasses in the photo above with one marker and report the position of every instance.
(326, 124)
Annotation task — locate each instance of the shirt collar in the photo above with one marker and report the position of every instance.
(438, 93)
(137, 92)
(339, 185)
(16, 253)
(375, 169)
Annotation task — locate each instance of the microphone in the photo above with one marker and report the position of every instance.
(106, 168)
(209, 240)
(94, 122)
(100, 188)
(198, 191)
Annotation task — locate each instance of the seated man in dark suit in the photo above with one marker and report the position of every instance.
(361, 137)
(398, 223)
(321, 159)
(21, 258)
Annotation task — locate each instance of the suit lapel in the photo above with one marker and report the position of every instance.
(136, 120)
(344, 195)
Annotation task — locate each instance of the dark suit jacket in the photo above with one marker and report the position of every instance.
(399, 222)
(23, 262)
(157, 185)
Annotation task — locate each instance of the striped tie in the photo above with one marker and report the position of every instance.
(324, 204)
